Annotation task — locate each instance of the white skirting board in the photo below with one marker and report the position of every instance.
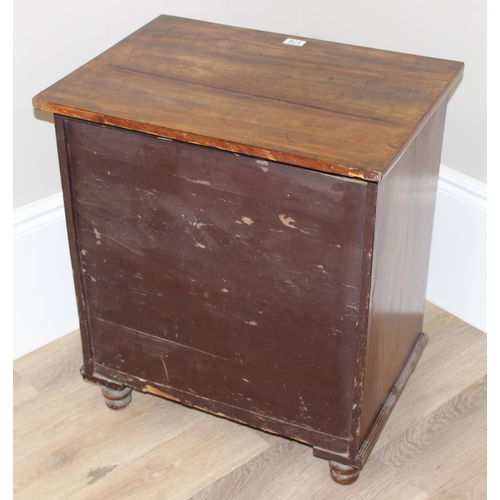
(457, 271)
(44, 296)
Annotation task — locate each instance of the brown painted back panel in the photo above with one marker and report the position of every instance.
(221, 275)
(327, 106)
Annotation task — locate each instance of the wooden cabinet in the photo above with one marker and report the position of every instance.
(250, 224)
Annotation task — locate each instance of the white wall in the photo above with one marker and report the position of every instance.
(54, 37)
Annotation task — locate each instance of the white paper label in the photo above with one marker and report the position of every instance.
(292, 41)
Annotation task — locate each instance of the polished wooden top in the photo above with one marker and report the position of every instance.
(326, 106)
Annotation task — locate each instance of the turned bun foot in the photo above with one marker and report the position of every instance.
(343, 474)
(116, 400)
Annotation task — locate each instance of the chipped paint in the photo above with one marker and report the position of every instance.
(247, 220)
(200, 245)
(84, 252)
(262, 165)
(157, 392)
(287, 221)
(205, 183)
(225, 290)
(253, 323)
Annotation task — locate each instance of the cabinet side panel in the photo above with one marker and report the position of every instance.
(403, 229)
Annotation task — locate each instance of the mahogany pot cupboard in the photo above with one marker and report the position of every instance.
(250, 218)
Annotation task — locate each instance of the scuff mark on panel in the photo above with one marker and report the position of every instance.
(199, 224)
(196, 181)
(124, 246)
(303, 404)
(166, 371)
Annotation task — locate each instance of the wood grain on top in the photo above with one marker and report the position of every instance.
(326, 106)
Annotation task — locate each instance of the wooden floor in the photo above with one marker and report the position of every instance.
(69, 445)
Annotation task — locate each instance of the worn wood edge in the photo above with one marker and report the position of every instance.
(101, 380)
(362, 328)
(73, 240)
(233, 147)
(371, 439)
(117, 380)
(444, 96)
(254, 151)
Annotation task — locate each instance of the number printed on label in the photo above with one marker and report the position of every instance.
(292, 41)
